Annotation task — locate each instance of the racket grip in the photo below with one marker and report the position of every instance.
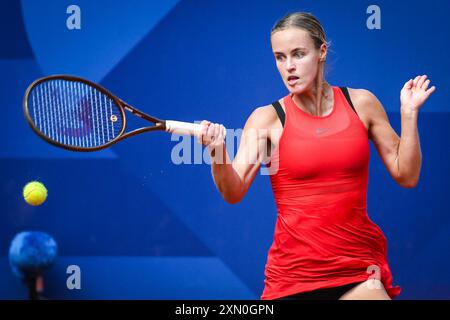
(183, 128)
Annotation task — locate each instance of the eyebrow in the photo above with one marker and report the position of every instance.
(293, 50)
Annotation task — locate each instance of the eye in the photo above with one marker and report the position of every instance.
(279, 58)
(298, 54)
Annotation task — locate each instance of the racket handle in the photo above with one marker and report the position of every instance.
(183, 128)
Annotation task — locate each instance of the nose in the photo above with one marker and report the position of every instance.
(290, 66)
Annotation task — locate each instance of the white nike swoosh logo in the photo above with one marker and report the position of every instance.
(321, 130)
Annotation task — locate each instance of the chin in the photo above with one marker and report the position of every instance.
(298, 89)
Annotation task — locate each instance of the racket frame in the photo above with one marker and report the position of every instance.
(160, 125)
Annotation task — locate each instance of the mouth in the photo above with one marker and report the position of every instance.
(292, 80)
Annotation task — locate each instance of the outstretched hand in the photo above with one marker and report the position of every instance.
(415, 92)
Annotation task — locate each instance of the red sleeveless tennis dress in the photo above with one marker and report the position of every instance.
(323, 235)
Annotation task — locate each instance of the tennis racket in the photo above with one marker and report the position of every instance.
(79, 115)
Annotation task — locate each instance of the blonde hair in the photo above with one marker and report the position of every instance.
(305, 21)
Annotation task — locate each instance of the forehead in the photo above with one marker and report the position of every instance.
(288, 39)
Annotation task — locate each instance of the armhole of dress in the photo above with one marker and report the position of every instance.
(280, 112)
(347, 96)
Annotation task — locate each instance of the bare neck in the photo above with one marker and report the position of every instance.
(316, 100)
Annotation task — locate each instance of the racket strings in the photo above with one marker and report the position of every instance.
(74, 113)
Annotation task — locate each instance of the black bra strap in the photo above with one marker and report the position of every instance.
(280, 111)
(347, 96)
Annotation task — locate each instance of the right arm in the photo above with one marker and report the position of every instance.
(233, 178)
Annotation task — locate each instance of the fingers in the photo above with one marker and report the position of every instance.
(213, 131)
(421, 81)
(211, 134)
(408, 84)
(431, 90)
(200, 137)
(425, 85)
(222, 133)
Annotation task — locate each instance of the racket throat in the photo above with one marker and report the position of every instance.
(158, 123)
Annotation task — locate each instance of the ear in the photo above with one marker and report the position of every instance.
(323, 52)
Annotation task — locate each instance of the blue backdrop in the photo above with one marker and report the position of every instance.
(140, 226)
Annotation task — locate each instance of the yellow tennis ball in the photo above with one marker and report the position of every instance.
(34, 193)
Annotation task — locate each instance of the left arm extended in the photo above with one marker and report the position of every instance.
(401, 156)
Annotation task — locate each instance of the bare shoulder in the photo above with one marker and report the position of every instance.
(362, 96)
(263, 117)
(367, 105)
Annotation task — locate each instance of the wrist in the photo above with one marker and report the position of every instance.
(408, 109)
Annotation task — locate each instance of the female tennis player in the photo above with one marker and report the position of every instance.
(316, 140)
